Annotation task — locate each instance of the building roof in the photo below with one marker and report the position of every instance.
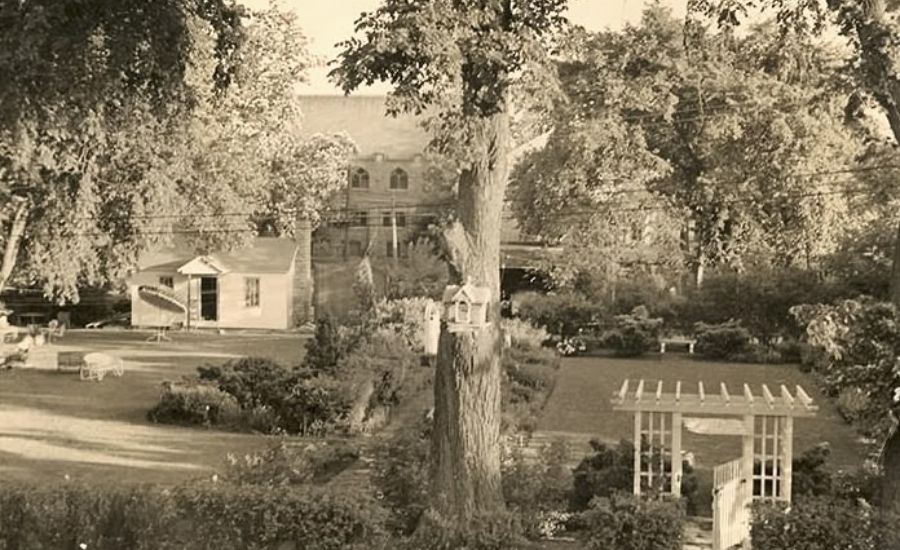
(363, 118)
(263, 255)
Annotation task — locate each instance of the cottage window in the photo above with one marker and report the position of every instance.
(359, 179)
(399, 179)
(251, 291)
(167, 281)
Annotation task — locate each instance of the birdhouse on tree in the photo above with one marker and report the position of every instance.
(466, 307)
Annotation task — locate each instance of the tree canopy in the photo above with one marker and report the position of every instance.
(730, 133)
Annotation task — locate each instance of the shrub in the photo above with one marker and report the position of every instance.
(524, 335)
(253, 381)
(757, 353)
(853, 404)
(317, 406)
(194, 403)
(281, 464)
(609, 470)
(51, 517)
(405, 317)
(535, 489)
(421, 273)
(634, 333)
(563, 315)
(498, 531)
(400, 473)
(201, 516)
(328, 345)
(822, 523)
(721, 341)
(625, 522)
(529, 381)
(810, 476)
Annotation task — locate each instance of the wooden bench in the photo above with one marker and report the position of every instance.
(676, 341)
(70, 361)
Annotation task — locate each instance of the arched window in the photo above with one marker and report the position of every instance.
(359, 179)
(399, 179)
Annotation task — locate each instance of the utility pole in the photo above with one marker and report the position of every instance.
(394, 227)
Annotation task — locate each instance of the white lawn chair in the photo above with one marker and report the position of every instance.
(98, 365)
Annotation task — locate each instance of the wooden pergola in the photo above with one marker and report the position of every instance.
(763, 418)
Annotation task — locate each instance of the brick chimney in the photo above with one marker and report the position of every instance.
(303, 279)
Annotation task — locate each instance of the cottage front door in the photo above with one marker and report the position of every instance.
(209, 299)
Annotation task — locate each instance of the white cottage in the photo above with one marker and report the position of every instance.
(266, 285)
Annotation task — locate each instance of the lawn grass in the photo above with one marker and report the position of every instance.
(53, 424)
(581, 403)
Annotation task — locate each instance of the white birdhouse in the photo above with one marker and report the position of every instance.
(466, 307)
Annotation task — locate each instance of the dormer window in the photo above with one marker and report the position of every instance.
(359, 179)
(399, 179)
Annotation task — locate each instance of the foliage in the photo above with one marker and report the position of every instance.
(634, 333)
(500, 530)
(400, 473)
(853, 404)
(810, 476)
(200, 515)
(327, 347)
(422, 273)
(535, 489)
(406, 317)
(607, 470)
(282, 464)
(822, 522)
(529, 381)
(524, 335)
(625, 522)
(644, 146)
(563, 314)
(195, 403)
(860, 343)
(722, 341)
(126, 125)
(253, 381)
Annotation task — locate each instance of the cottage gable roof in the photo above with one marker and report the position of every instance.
(263, 255)
(203, 265)
(467, 293)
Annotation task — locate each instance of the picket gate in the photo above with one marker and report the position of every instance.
(731, 499)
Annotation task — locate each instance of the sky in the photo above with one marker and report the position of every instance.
(327, 22)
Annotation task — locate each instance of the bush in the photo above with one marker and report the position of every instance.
(281, 464)
(722, 341)
(529, 381)
(400, 473)
(523, 335)
(821, 523)
(201, 516)
(853, 404)
(810, 476)
(194, 403)
(498, 531)
(634, 333)
(625, 522)
(405, 317)
(253, 381)
(607, 471)
(328, 345)
(536, 490)
(563, 315)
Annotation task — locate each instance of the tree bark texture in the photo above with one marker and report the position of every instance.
(13, 240)
(895, 270)
(466, 437)
(890, 489)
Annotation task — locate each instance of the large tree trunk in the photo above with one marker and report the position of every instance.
(13, 240)
(890, 489)
(466, 437)
(895, 270)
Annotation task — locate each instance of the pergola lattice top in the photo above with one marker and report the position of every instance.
(645, 397)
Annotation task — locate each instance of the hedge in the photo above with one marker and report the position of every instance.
(196, 516)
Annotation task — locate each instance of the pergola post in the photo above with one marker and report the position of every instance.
(747, 452)
(637, 452)
(676, 453)
(787, 450)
